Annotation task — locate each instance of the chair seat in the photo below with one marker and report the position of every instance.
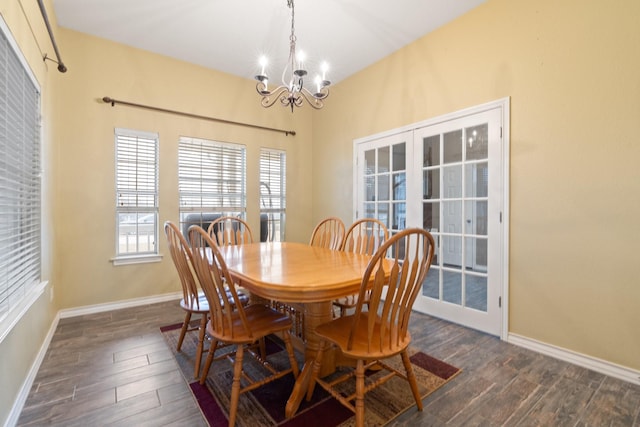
(263, 320)
(202, 305)
(338, 330)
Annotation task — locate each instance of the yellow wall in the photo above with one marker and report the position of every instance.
(19, 349)
(85, 207)
(571, 70)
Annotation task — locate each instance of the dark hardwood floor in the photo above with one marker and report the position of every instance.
(114, 368)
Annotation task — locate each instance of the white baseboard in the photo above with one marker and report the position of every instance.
(589, 362)
(12, 420)
(18, 404)
(99, 308)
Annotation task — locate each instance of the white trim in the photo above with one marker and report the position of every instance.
(21, 398)
(506, 213)
(15, 313)
(593, 363)
(504, 105)
(136, 259)
(18, 404)
(135, 302)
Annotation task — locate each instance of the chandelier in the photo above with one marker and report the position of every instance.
(292, 91)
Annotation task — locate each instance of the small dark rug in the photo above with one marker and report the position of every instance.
(265, 405)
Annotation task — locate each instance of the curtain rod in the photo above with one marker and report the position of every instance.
(112, 101)
(61, 67)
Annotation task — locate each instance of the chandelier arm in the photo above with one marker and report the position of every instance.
(311, 99)
(273, 96)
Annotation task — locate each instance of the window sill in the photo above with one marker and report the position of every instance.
(136, 259)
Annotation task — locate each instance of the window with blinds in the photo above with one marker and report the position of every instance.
(136, 193)
(20, 183)
(211, 181)
(272, 194)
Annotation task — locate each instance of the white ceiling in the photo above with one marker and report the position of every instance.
(230, 35)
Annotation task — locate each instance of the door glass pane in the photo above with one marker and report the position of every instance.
(383, 160)
(399, 186)
(452, 185)
(453, 146)
(475, 292)
(399, 216)
(369, 162)
(452, 251)
(476, 217)
(436, 253)
(431, 151)
(431, 284)
(476, 253)
(476, 180)
(431, 216)
(369, 188)
(399, 156)
(383, 213)
(452, 287)
(370, 210)
(431, 184)
(383, 187)
(477, 145)
(452, 212)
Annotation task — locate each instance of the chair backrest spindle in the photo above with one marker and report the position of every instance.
(183, 261)
(230, 230)
(394, 291)
(329, 233)
(217, 284)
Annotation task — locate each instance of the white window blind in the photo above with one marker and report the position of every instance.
(272, 194)
(20, 180)
(136, 192)
(211, 180)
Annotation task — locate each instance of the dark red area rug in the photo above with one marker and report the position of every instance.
(265, 405)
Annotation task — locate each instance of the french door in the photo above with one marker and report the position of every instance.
(446, 176)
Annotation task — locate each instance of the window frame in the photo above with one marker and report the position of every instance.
(22, 294)
(276, 161)
(209, 166)
(138, 193)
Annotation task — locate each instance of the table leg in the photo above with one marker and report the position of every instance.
(315, 314)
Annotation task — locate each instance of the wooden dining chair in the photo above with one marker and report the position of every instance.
(193, 301)
(381, 332)
(363, 237)
(230, 230)
(235, 324)
(328, 233)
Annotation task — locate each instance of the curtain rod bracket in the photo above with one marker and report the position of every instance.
(61, 67)
(109, 100)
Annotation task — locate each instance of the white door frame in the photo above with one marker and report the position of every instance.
(504, 106)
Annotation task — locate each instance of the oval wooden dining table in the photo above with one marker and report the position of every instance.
(308, 276)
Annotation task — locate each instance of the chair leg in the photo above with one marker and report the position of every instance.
(183, 331)
(315, 370)
(235, 388)
(200, 348)
(263, 349)
(359, 404)
(207, 364)
(291, 353)
(412, 379)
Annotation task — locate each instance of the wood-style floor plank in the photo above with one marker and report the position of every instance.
(115, 368)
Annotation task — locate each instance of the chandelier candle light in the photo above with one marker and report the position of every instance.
(292, 91)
